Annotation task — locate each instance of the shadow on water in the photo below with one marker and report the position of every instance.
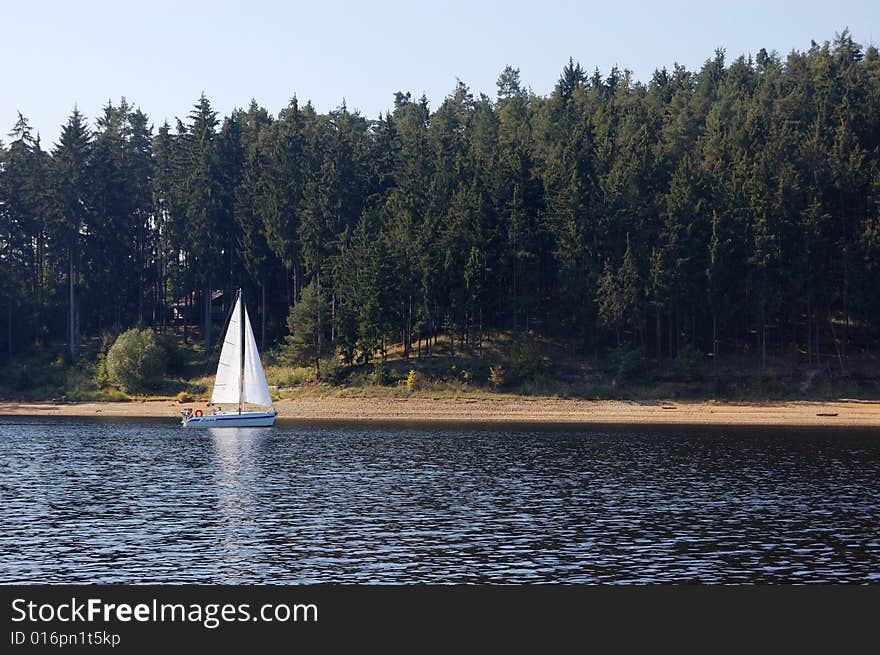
(144, 501)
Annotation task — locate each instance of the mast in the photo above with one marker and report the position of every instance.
(242, 345)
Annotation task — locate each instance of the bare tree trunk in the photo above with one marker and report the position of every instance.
(809, 333)
(207, 335)
(480, 343)
(715, 343)
(140, 250)
(408, 347)
(836, 346)
(659, 337)
(73, 330)
(263, 315)
(9, 325)
(763, 341)
(318, 317)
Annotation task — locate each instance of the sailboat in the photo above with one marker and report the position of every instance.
(240, 380)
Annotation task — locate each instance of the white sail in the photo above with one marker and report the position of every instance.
(256, 390)
(227, 385)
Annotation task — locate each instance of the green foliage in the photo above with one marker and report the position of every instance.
(689, 364)
(698, 207)
(626, 364)
(527, 359)
(381, 374)
(305, 343)
(136, 362)
(333, 370)
(175, 356)
(89, 395)
(102, 377)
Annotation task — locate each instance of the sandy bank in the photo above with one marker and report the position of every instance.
(503, 410)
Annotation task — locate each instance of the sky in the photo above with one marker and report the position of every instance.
(162, 55)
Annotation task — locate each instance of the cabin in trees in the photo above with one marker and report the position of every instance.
(186, 310)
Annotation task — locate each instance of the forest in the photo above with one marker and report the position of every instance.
(733, 211)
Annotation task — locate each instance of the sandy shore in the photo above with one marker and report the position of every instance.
(503, 410)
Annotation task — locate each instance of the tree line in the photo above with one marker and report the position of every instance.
(732, 208)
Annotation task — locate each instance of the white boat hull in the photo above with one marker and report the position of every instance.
(230, 420)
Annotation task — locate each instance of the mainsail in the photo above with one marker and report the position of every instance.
(228, 387)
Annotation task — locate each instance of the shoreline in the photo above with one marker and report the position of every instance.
(518, 410)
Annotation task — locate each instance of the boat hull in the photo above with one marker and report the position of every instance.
(231, 420)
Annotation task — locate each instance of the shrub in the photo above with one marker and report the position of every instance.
(298, 376)
(175, 356)
(333, 370)
(414, 380)
(17, 378)
(689, 364)
(184, 397)
(101, 377)
(381, 374)
(497, 376)
(136, 361)
(108, 337)
(626, 363)
(526, 357)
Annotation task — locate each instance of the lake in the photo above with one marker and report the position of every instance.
(144, 501)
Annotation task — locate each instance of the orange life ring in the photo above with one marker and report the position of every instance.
(198, 412)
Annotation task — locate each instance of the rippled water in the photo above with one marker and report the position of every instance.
(148, 502)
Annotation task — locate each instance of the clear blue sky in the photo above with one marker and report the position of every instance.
(162, 56)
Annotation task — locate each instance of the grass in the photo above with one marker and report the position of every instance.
(552, 372)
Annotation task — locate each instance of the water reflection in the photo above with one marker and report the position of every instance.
(235, 453)
(141, 502)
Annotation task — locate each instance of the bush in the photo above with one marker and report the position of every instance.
(381, 375)
(17, 378)
(136, 361)
(108, 338)
(297, 376)
(526, 357)
(332, 371)
(626, 363)
(102, 379)
(689, 364)
(175, 356)
(497, 376)
(184, 397)
(414, 380)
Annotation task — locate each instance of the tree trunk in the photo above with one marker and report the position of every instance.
(763, 341)
(659, 337)
(72, 328)
(809, 334)
(207, 325)
(140, 248)
(836, 346)
(318, 312)
(480, 343)
(263, 315)
(715, 343)
(9, 326)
